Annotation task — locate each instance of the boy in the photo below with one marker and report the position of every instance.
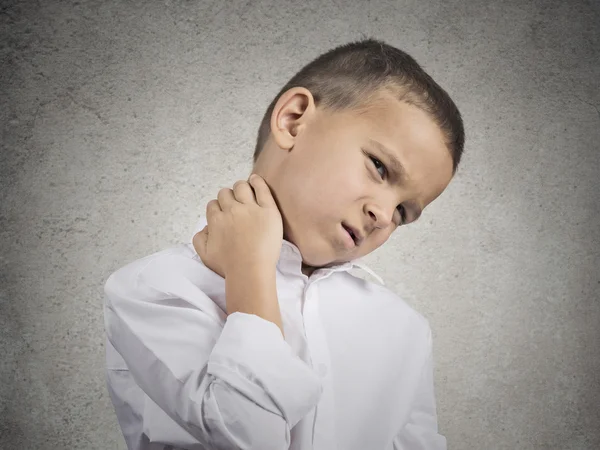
(254, 335)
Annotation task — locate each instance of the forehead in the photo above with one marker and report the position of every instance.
(414, 138)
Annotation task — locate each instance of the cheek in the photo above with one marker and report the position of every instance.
(338, 195)
(324, 188)
(343, 183)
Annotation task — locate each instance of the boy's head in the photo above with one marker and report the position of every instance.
(321, 149)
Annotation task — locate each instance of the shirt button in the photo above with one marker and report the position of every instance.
(322, 370)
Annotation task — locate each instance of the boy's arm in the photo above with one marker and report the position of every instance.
(237, 384)
(253, 290)
(421, 430)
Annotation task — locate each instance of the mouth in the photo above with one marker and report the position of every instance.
(353, 233)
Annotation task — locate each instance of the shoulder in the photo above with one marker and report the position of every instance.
(158, 267)
(175, 278)
(175, 264)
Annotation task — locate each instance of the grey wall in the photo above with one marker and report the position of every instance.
(121, 120)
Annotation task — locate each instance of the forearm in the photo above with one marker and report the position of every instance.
(200, 371)
(253, 291)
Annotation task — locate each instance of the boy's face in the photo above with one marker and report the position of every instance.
(319, 168)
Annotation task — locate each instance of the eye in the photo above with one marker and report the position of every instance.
(377, 162)
(402, 214)
(400, 208)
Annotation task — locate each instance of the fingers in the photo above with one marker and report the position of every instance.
(199, 241)
(225, 198)
(243, 192)
(255, 190)
(212, 208)
(264, 197)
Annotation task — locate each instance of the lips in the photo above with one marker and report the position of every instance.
(356, 237)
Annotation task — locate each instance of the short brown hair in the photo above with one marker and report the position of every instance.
(351, 75)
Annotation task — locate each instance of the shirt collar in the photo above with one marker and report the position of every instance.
(290, 259)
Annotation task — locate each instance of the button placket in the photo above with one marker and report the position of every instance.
(324, 436)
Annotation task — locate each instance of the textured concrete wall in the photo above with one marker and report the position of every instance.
(121, 120)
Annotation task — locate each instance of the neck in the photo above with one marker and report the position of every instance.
(308, 270)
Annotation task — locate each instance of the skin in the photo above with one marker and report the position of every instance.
(317, 165)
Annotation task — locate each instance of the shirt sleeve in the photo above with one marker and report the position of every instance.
(421, 430)
(229, 381)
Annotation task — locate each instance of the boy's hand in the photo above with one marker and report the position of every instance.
(243, 230)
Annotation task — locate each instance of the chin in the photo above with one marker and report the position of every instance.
(314, 258)
(312, 252)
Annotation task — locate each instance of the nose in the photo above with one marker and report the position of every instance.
(380, 217)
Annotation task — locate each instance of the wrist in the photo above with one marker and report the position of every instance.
(255, 270)
(253, 291)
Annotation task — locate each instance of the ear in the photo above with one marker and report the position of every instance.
(291, 114)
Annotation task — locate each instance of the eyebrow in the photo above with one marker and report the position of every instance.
(397, 166)
(399, 170)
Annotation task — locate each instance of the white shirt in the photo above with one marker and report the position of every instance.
(354, 371)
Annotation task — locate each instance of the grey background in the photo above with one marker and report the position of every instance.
(120, 120)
